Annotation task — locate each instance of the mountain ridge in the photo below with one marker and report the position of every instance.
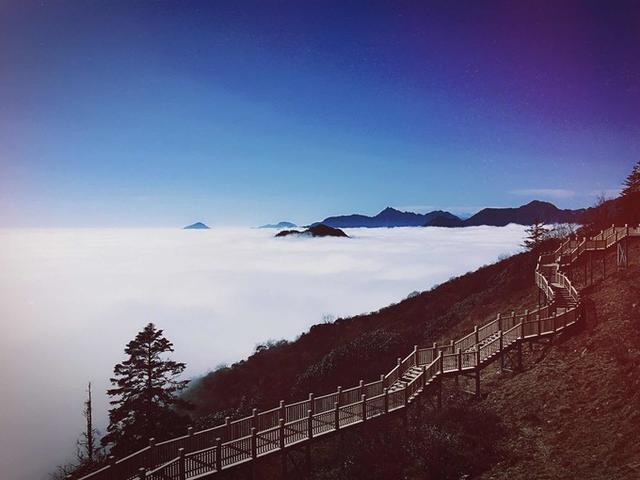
(389, 217)
(526, 214)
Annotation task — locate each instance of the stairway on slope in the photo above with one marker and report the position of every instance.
(562, 296)
(407, 377)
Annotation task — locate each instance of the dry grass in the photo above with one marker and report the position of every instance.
(576, 412)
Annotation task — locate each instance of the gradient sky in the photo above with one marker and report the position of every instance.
(163, 113)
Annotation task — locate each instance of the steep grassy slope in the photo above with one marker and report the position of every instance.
(365, 346)
(576, 412)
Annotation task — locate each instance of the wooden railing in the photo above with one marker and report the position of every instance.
(570, 250)
(262, 433)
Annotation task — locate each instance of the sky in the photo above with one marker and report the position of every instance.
(119, 113)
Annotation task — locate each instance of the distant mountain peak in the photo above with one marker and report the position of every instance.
(279, 225)
(539, 203)
(197, 226)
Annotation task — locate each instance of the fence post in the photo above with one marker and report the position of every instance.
(476, 334)
(152, 452)
(218, 454)
(501, 352)
(309, 424)
(361, 387)
(424, 376)
(441, 362)
(283, 411)
(336, 418)
(281, 439)
(191, 439)
(364, 407)
(477, 373)
(254, 443)
(399, 367)
(227, 429)
(539, 324)
(406, 397)
(526, 319)
(513, 319)
(181, 469)
(499, 320)
(111, 461)
(459, 360)
(415, 354)
(386, 400)
(311, 403)
(254, 418)
(555, 316)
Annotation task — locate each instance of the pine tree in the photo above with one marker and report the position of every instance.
(632, 182)
(536, 234)
(89, 456)
(87, 448)
(630, 198)
(146, 391)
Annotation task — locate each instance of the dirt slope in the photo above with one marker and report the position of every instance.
(575, 411)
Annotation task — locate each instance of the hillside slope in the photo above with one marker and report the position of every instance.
(364, 346)
(576, 412)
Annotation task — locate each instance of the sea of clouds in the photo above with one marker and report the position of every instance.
(71, 299)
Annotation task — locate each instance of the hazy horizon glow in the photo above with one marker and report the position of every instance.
(72, 299)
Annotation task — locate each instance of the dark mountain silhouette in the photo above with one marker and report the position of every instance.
(279, 225)
(389, 217)
(443, 221)
(196, 226)
(317, 230)
(525, 215)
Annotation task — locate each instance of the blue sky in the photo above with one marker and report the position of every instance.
(164, 113)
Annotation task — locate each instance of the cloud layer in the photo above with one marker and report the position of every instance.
(71, 300)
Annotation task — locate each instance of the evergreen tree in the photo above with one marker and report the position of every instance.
(89, 456)
(630, 198)
(536, 234)
(632, 182)
(146, 391)
(88, 451)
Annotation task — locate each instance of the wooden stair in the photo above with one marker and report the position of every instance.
(407, 377)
